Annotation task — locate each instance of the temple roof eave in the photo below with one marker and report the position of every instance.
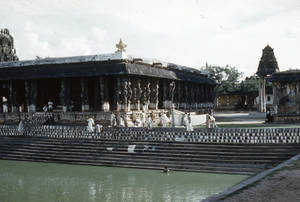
(286, 76)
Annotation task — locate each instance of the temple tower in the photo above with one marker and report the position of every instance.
(267, 66)
(7, 50)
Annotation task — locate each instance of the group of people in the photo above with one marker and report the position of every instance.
(120, 120)
(210, 121)
(48, 107)
(91, 127)
(117, 120)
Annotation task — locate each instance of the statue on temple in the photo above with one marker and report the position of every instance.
(129, 94)
(123, 92)
(138, 94)
(7, 50)
(144, 94)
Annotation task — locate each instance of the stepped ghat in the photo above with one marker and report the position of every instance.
(223, 150)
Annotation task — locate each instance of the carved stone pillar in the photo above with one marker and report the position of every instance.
(84, 94)
(118, 93)
(262, 94)
(13, 95)
(65, 94)
(123, 92)
(138, 94)
(31, 94)
(154, 87)
(129, 94)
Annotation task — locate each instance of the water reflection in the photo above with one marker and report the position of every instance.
(35, 182)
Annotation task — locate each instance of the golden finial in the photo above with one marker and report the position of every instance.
(121, 46)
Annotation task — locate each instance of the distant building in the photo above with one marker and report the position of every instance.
(106, 82)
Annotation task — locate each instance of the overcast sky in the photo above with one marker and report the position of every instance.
(187, 32)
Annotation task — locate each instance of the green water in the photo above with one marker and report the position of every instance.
(47, 182)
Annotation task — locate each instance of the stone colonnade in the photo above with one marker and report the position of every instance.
(286, 98)
(105, 93)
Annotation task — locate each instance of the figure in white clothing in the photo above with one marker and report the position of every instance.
(189, 126)
(106, 107)
(45, 108)
(122, 121)
(185, 120)
(5, 105)
(208, 122)
(21, 128)
(213, 121)
(143, 119)
(50, 106)
(91, 124)
(98, 128)
(148, 122)
(113, 120)
(164, 120)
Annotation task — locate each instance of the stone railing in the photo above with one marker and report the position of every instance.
(219, 135)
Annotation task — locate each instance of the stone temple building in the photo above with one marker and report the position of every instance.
(286, 91)
(106, 82)
(267, 66)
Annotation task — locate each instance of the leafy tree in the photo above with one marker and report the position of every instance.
(227, 77)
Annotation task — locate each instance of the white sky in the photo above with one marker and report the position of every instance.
(186, 32)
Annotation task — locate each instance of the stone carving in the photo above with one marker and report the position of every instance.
(121, 47)
(7, 50)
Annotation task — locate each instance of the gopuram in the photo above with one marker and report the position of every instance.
(100, 83)
(267, 66)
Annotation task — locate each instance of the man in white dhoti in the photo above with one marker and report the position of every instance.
(164, 120)
(98, 128)
(113, 120)
(5, 105)
(213, 121)
(143, 119)
(208, 122)
(122, 121)
(148, 122)
(106, 107)
(185, 120)
(189, 126)
(90, 126)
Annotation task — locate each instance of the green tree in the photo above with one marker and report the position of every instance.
(227, 77)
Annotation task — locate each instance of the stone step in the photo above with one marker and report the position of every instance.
(173, 145)
(118, 163)
(147, 156)
(132, 166)
(178, 156)
(188, 154)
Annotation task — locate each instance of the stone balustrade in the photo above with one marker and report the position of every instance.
(201, 135)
